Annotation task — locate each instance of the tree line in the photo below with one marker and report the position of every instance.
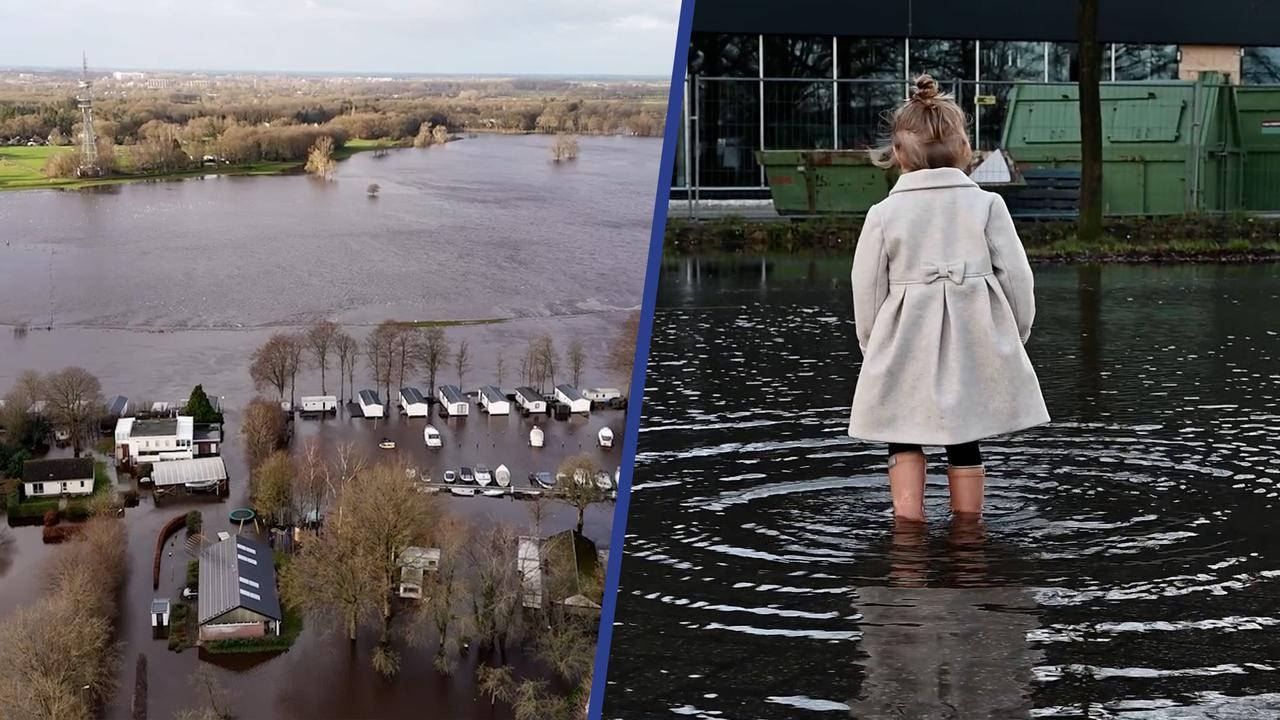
(395, 351)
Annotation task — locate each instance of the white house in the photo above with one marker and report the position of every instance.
(531, 400)
(413, 403)
(52, 478)
(571, 396)
(370, 404)
(493, 401)
(155, 440)
(453, 401)
(415, 562)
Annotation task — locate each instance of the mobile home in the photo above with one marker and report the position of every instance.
(370, 404)
(531, 401)
(601, 395)
(413, 403)
(573, 398)
(118, 406)
(319, 404)
(453, 401)
(493, 401)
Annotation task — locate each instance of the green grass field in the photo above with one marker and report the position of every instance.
(21, 167)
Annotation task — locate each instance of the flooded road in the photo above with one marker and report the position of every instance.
(1127, 567)
(157, 287)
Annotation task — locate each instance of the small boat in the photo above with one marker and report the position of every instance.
(542, 479)
(605, 437)
(603, 481)
(450, 477)
(536, 437)
(463, 491)
(431, 436)
(582, 477)
(502, 476)
(466, 475)
(494, 492)
(483, 477)
(387, 444)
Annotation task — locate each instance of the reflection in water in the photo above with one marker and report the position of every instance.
(1128, 558)
(7, 548)
(951, 649)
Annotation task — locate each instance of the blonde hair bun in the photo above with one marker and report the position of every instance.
(926, 88)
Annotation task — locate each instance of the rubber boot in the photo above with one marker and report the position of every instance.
(967, 487)
(906, 484)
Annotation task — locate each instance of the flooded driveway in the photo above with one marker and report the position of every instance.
(1127, 566)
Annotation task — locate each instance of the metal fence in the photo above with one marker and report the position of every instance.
(1168, 144)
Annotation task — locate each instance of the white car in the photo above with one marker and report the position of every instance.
(189, 593)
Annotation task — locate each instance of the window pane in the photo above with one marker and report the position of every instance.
(864, 107)
(1012, 60)
(870, 59)
(721, 55)
(1146, 62)
(728, 132)
(1064, 63)
(797, 56)
(1260, 66)
(798, 115)
(945, 60)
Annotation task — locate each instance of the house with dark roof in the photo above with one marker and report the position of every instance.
(62, 476)
(237, 592)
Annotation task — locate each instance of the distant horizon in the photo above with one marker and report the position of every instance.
(367, 37)
(104, 69)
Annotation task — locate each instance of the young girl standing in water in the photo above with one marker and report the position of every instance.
(942, 302)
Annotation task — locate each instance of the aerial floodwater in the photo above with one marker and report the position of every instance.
(155, 287)
(1128, 564)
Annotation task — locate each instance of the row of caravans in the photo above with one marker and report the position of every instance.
(455, 403)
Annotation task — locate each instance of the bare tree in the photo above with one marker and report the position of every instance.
(215, 698)
(311, 481)
(263, 430)
(496, 588)
(577, 356)
(404, 347)
(576, 484)
(462, 360)
(74, 401)
(273, 363)
(329, 581)
(295, 347)
(501, 362)
(542, 360)
(348, 351)
(320, 338)
(380, 353)
(564, 148)
(433, 350)
(320, 160)
(439, 612)
(622, 354)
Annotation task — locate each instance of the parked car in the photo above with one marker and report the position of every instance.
(189, 593)
(466, 475)
(450, 476)
(483, 476)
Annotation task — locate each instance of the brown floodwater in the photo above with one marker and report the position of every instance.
(157, 287)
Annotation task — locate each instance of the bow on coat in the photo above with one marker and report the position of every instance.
(953, 271)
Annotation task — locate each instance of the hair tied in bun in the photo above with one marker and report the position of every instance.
(926, 89)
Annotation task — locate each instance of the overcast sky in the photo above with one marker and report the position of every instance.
(562, 37)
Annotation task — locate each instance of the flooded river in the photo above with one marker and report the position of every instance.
(156, 287)
(1128, 565)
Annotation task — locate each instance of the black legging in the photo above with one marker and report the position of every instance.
(962, 455)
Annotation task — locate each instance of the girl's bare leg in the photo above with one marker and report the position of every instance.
(906, 484)
(967, 489)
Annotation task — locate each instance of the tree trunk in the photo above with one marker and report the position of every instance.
(582, 511)
(1089, 224)
(322, 387)
(351, 625)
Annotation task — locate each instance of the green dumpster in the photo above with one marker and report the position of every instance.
(1167, 148)
(1259, 127)
(821, 182)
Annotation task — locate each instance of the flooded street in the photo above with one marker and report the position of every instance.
(1127, 566)
(156, 287)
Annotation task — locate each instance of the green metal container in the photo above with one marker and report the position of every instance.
(1167, 148)
(1258, 118)
(822, 182)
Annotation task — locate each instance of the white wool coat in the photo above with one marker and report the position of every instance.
(943, 302)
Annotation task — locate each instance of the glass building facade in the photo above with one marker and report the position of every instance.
(747, 92)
